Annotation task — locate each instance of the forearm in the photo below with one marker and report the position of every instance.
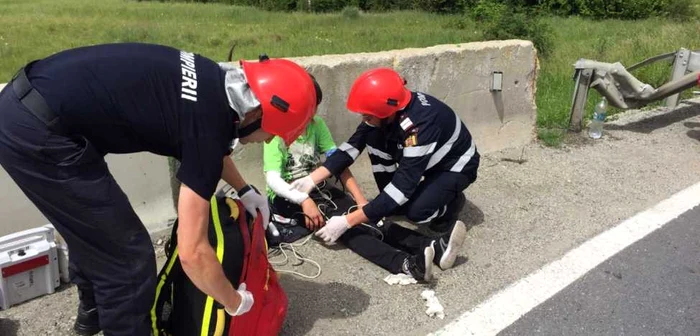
(320, 174)
(196, 255)
(205, 271)
(357, 217)
(231, 175)
(353, 187)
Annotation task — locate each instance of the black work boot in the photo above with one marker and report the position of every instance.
(87, 323)
(420, 266)
(447, 221)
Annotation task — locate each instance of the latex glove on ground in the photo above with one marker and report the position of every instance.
(400, 279)
(253, 201)
(335, 227)
(304, 184)
(246, 301)
(435, 309)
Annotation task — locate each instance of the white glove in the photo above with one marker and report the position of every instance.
(273, 230)
(246, 301)
(335, 227)
(252, 201)
(304, 184)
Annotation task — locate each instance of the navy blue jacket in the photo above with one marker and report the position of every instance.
(425, 138)
(132, 97)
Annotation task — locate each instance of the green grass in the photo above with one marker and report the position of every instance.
(35, 28)
(551, 136)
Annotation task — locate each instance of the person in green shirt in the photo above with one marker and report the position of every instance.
(297, 214)
(282, 164)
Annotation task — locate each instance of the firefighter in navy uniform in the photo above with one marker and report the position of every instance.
(60, 115)
(423, 158)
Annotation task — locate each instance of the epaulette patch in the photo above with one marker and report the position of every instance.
(406, 124)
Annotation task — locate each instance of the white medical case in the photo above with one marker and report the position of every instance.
(28, 265)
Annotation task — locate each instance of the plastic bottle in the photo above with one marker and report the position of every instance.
(595, 129)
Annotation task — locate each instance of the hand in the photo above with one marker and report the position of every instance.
(304, 184)
(247, 301)
(335, 228)
(314, 218)
(252, 201)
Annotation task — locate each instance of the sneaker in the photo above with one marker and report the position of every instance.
(420, 267)
(88, 322)
(448, 246)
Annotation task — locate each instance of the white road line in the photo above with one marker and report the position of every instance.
(505, 307)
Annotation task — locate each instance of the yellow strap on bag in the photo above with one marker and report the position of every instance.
(159, 287)
(209, 305)
(220, 322)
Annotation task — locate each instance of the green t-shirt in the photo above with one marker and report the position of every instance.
(302, 156)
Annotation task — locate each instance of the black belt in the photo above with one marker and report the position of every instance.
(32, 100)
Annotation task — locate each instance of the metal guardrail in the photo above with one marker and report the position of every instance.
(624, 91)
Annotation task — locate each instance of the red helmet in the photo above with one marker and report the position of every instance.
(380, 92)
(286, 93)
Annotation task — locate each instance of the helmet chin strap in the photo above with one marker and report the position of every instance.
(382, 123)
(250, 128)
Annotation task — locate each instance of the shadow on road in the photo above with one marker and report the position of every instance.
(649, 125)
(471, 215)
(310, 301)
(695, 132)
(8, 327)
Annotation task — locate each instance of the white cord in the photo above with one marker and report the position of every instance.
(281, 250)
(381, 235)
(276, 251)
(292, 247)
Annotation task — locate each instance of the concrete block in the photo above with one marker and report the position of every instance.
(458, 74)
(145, 178)
(461, 75)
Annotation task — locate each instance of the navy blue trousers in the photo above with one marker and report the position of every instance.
(111, 255)
(437, 200)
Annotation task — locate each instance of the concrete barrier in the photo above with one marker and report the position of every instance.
(459, 74)
(145, 178)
